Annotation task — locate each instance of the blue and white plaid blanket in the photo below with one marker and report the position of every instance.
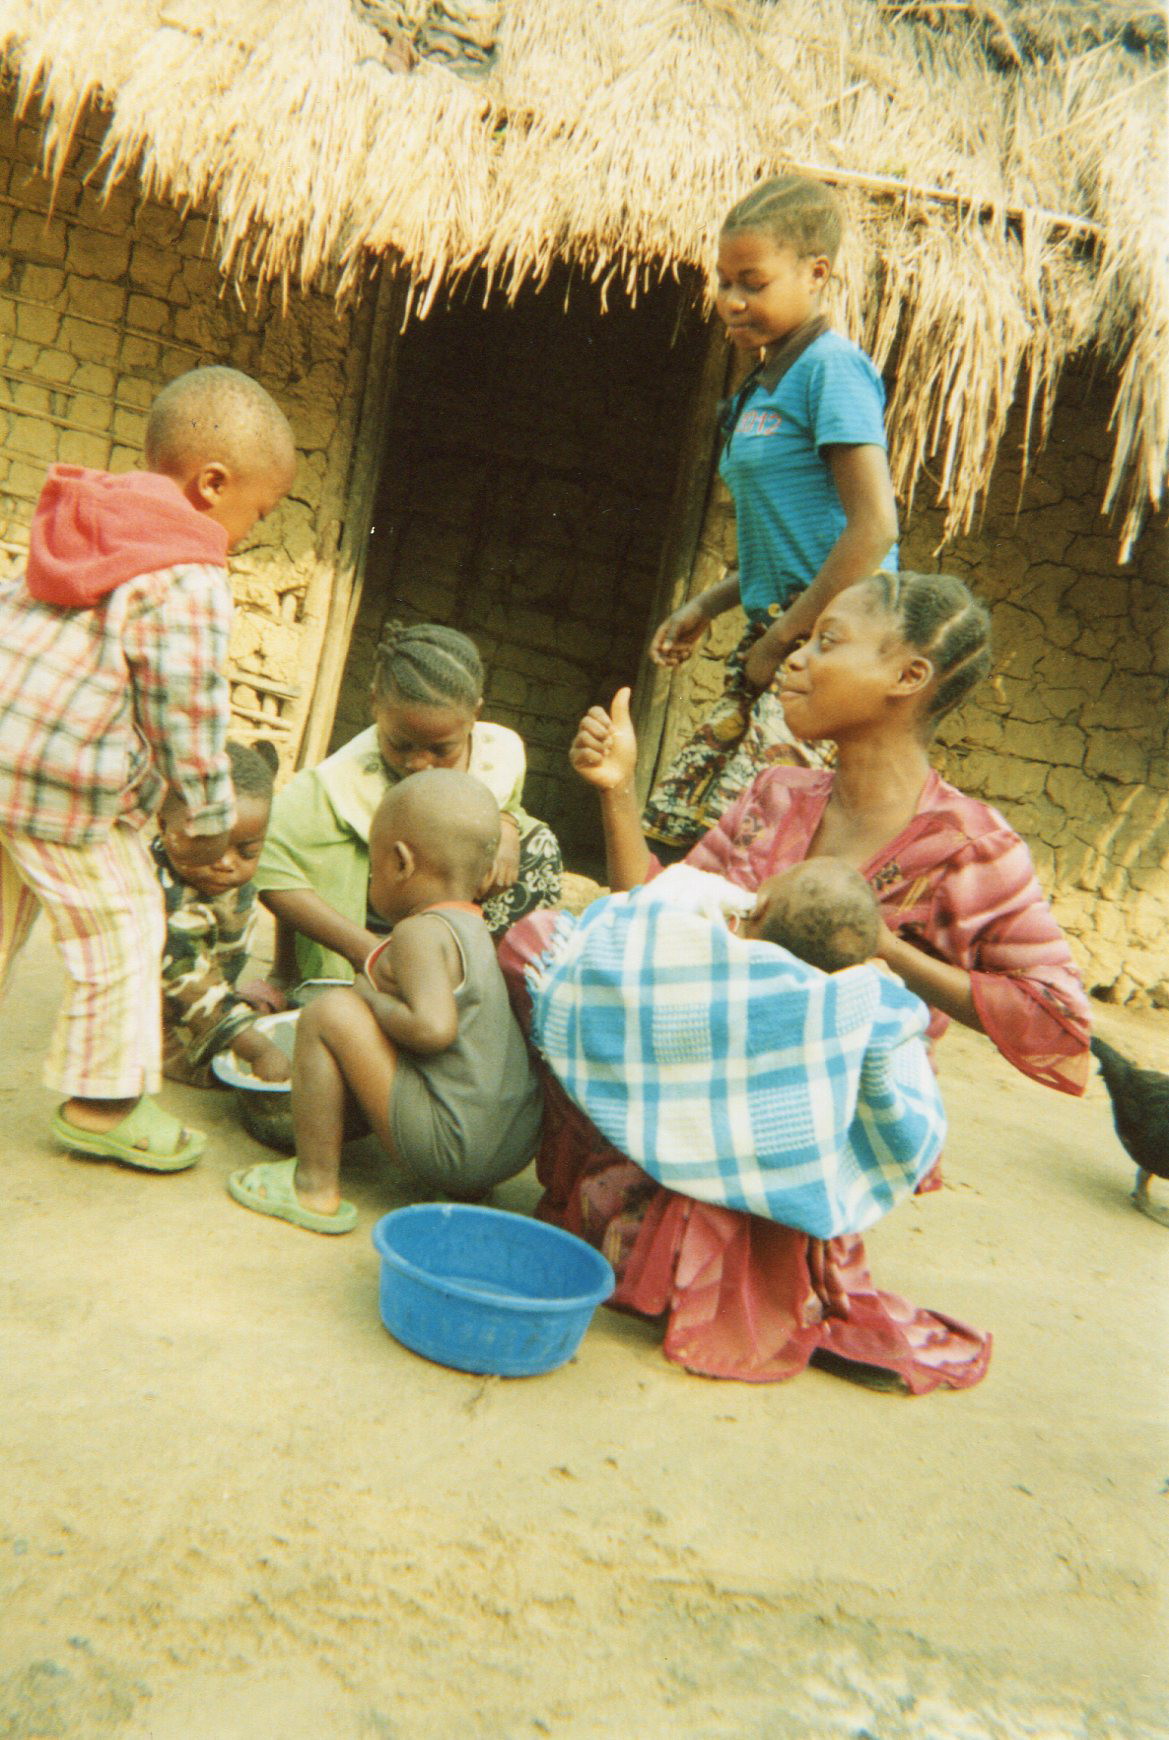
(733, 1072)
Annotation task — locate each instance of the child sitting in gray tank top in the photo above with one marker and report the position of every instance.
(424, 1044)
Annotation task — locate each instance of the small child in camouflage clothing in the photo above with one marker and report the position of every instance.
(210, 913)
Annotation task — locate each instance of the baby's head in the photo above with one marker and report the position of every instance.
(251, 775)
(226, 443)
(821, 910)
(434, 836)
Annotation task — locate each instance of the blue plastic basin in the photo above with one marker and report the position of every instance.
(486, 1291)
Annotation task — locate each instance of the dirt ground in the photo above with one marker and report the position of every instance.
(235, 1509)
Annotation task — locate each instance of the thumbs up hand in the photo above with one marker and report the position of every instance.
(604, 750)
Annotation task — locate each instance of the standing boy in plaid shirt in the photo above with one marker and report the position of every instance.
(113, 645)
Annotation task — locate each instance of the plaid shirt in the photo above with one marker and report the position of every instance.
(100, 709)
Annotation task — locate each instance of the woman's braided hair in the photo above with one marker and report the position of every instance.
(938, 615)
(427, 663)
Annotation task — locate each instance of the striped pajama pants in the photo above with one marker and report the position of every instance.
(106, 910)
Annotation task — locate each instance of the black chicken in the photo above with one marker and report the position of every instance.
(1140, 1111)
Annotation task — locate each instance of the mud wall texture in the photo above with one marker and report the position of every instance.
(1070, 742)
(102, 302)
(530, 460)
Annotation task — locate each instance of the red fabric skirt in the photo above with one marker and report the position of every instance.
(741, 1297)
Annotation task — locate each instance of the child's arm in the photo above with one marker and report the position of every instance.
(506, 867)
(237, 932)
(176, 651)
(413, 988)
(508, 757)
(300, 909)
(677, 637)
(263, 996)
(861, 476)
(507, 762)
(285, 968)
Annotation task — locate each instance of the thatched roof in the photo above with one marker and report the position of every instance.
(1004, 162)
(1018, 30)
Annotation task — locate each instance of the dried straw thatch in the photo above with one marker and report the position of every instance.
(1004, 163)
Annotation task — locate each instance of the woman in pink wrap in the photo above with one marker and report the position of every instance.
(964, 924)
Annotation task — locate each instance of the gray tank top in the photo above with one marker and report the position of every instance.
(479, 1102)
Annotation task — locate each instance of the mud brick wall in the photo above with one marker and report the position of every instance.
(101, 304)
(1071, 741)
(530, 459)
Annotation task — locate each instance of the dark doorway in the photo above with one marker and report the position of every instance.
(531, 455)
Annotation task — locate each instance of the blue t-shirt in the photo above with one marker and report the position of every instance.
(787, 512)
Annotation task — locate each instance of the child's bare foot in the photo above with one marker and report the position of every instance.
(323, 1196)
(96, 1115)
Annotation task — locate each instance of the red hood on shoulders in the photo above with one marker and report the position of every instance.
(93, 530)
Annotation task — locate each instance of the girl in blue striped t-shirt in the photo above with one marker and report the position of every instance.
(804, 459)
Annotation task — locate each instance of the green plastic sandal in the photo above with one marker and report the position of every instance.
(268, 1189)
(147, 1138)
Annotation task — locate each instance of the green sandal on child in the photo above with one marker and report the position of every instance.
(268, 1188)
(147, 1137)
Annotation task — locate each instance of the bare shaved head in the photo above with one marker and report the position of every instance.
(449, 820)
(821, 910)
(218, 414)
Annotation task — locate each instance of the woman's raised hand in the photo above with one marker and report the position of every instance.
(604, 750)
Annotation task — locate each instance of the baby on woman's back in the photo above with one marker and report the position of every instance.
(745, 1048)
(820, 910)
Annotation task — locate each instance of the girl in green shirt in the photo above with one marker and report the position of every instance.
(313, 874)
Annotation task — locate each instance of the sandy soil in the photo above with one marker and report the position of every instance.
(234, 1507)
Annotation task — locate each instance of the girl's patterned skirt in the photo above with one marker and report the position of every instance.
(744, 733)
(537, 881)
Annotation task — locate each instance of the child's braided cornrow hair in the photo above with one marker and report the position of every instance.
(792, 211)
(939, 616)
(430, 664)
(252, 774)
